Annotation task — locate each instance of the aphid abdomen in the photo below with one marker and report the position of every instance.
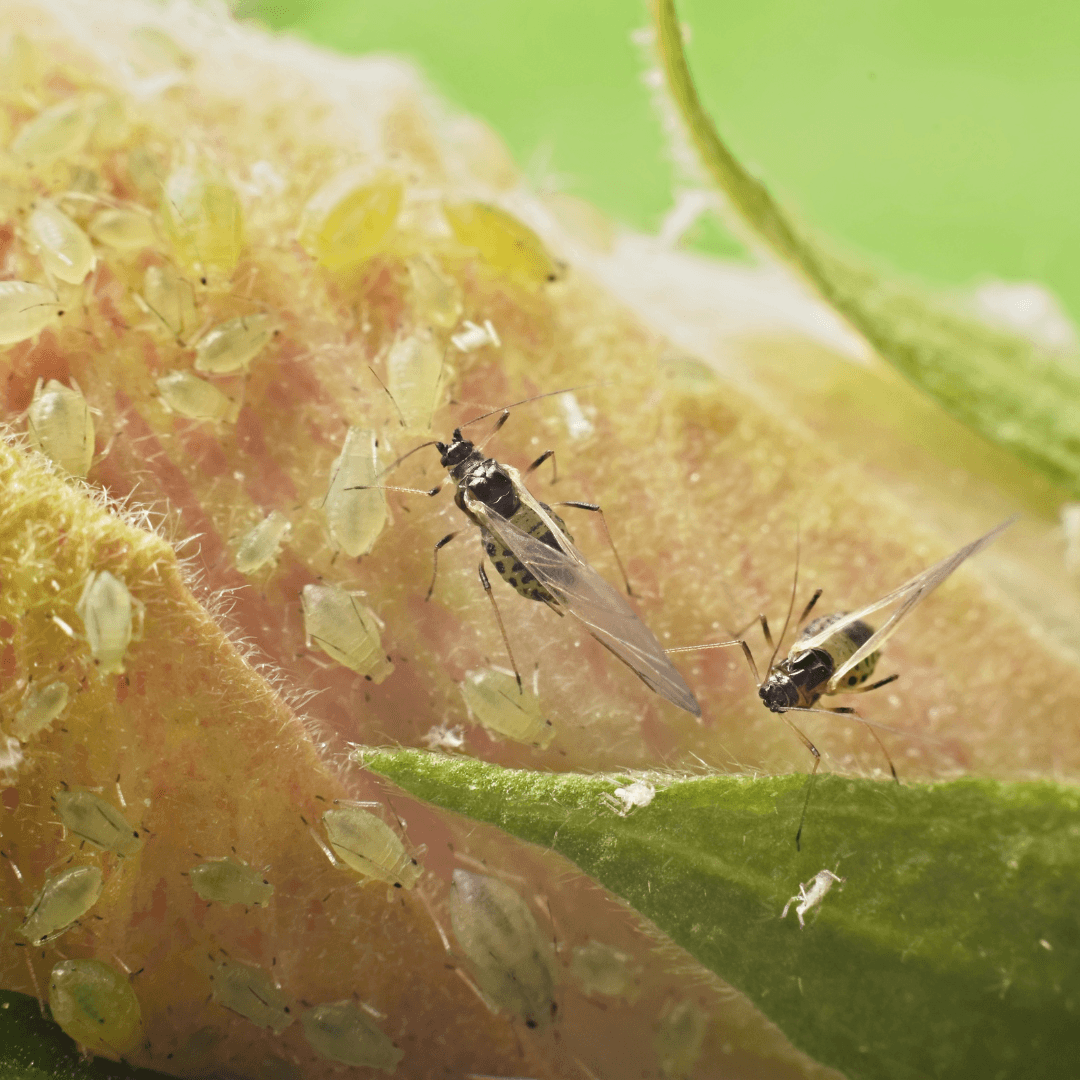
(251, 992)
(63, 899)
(506, 563)
(92, 819)
(512, 571)
(342, 1031)
(368, 845)
(511, 959)
(494, 698)
(226, 881)
(94, 1004)
(843, 644)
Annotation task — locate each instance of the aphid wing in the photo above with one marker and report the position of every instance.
(593, 601)
(911, 594)
(534, 504)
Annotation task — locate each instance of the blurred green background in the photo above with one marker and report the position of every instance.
(938, 134)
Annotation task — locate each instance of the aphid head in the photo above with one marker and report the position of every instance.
(456, 452)
(778, 692)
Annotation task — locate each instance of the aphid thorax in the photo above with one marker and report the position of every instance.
(803, 676)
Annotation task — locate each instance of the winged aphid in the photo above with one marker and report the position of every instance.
(838, 653)
(532, 550)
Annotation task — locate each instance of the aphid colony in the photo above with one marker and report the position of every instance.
(529, 545)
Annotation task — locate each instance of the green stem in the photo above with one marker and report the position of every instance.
(999, 384)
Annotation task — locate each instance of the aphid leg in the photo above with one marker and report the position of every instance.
(809, 607)
(540, 461)
(435, 563)
(393, 401)
(502, 629)
(813, 775)
(845, 711)
(37, 989)
(408, 491)
(408, 454)
(765, 630)
(494, 431)
(594, 508)
(722, 645)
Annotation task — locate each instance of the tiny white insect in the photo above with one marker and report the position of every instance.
(601, 969)
(59, 131)
(442, 737)
(366, 844)
(226, 881)
(819, 885)
(170, 298)
(578, 425)
(624, 799)
(474, 337)
(11, 757)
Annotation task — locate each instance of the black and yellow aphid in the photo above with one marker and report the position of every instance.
(837, 654)
(532, 551)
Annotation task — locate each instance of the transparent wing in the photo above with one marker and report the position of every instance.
(592, 600)
(907, 597)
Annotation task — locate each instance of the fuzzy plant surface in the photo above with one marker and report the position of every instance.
(220, 250)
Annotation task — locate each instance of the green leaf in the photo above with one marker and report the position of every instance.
(34, 1048)
(999, 384)
(952, 949)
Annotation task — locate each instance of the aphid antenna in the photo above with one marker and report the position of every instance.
(326, 850)
(525, 401)
(37, 989)
(791, 606)
(438, 384)
(847, 711)
(394, 464)
(14, 869)
(723, 645)
(393, 400)
(397, 817)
